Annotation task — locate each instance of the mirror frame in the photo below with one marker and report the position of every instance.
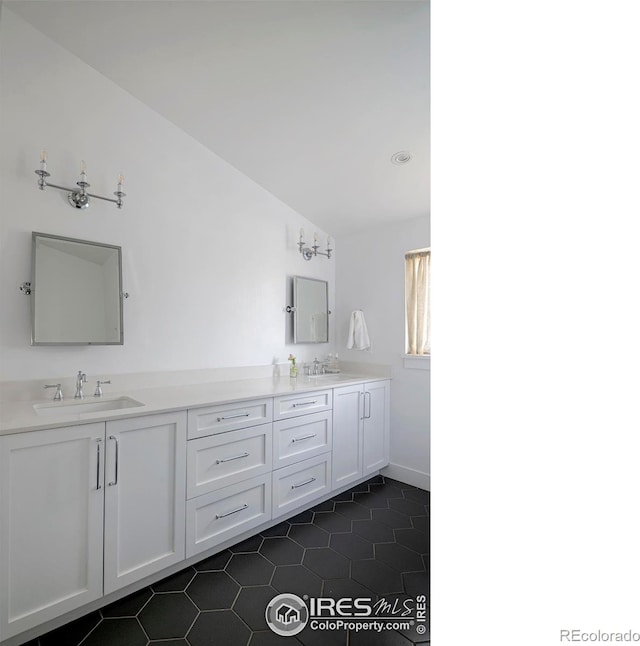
(296, 280)
(34, 287)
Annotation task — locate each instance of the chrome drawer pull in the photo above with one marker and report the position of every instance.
(98, 485)
(305, 403)
(115, 439)
(235, 511)
(220, 419)
(302, 484)
(235, 457)
(304, 437)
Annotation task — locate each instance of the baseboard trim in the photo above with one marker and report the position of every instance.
(408, 475)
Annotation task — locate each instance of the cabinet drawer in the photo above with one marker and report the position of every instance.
(300, 483)
(226, 458)
(301, 437)
(228, 417)
(287, 406)
(223, 514)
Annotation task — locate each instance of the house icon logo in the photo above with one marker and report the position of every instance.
(286, 614)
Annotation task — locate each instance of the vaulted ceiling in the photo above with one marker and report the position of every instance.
(310, 99)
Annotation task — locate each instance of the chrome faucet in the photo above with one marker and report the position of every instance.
(316, 364)
(99, 392)
(81, 379)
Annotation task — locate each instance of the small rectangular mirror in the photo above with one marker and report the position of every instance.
(76, 292)
(311, 313)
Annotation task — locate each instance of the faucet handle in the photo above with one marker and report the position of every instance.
(98, 392)
(58, 397)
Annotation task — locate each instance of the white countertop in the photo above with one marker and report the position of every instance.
(20, 416)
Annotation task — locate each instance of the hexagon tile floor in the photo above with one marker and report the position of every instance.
(371, 541)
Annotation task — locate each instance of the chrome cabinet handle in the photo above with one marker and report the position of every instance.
(235, 457)
(234, 511)
(304, 403)
(220, 419)
(304, 437)
(369, 415)
(98, 485)
(360, 407)
(302, 484)
(115, 439)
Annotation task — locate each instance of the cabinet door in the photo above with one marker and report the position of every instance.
(51, 515)
(145, 495)
(347, 434)
(375, 436)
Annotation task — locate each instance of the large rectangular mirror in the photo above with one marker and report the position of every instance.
(76, 292)
(311, 310)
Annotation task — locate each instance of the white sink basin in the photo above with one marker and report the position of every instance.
(83, 407)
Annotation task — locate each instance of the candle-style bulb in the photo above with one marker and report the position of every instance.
(301, 234)
(315, 238)
(83, 167)
(328, 242)
(43, 156)
(120, 179)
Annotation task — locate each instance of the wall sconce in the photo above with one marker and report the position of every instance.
(78, 199)
(308, 253)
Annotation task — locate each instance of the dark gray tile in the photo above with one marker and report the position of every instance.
(398, 557)
(416, 583)
(327, 505)
(391, 517)
(304, 517)
(311, 637)
(72, 633)
(421, 523)
(252, 603)
(384, 638)
(251, 544)
(281, 529)
(124, 632)
(353, 510)
(129, 606)
(388, 490)
(326, 563)
(213, 590)
(332, 522)
(376, 480)
(376, 576)
(167, 615)
(373, 530)
(414, 539)
(282, 550)
(215, 562)
(250, 569)
(351, 546)
(269, 638)
(309, 535)
(417, 495)
(408, 507)
(296, 579)
(342, 497)
(371, 500)
(170, 642)
(342, 588)
(221, 626)
(176, 582)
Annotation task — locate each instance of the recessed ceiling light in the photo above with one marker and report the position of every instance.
(402, 157)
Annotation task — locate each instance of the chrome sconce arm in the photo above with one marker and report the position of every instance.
(77, 198)
(310, 252)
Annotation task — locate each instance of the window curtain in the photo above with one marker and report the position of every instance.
(417, 299)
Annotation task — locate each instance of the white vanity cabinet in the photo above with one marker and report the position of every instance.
(51, 524)
(145, 492)
(360, 431)
(86, 510)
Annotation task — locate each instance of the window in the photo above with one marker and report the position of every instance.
(417, 264)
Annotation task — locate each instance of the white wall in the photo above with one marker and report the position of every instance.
(206, 251)
(370, 277)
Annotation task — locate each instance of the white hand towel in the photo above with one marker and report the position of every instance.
(358, 334)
